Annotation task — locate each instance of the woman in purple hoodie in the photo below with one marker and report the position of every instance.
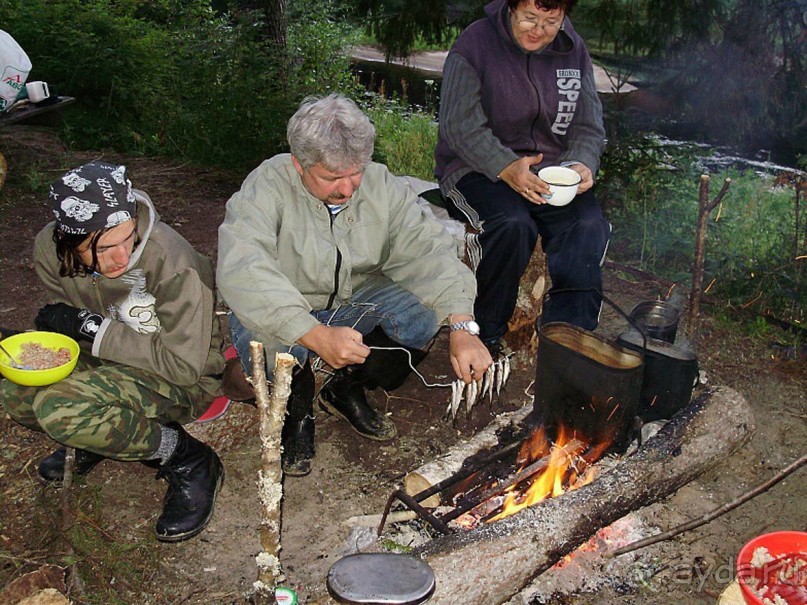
(518, 94)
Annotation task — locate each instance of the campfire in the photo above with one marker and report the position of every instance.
(568, 465)
(547, 478)
(499, 486)
(546, 469)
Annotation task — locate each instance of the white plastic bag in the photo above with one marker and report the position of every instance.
(14, 69)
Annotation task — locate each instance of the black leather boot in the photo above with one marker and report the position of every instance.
(52, 467)
(387, 368)
(194, 474)
(298, 428)
(345, 394)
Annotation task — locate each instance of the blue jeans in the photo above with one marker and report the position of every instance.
(379, 302)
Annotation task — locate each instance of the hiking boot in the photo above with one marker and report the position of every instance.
(194, 474)
(298, 429)
(52, 467)
(298, 446)
(234, 383)
(344, 396)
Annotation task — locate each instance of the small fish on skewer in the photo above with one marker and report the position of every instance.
(499, 373)
(487, 383)
(456, 398)
(506, 372)
(471, 391)
(492, 380)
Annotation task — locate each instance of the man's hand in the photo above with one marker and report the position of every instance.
(519, 176)
(337, 346)
(79, 324)
(469, 357)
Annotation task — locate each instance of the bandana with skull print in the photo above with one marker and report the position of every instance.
(92, 197)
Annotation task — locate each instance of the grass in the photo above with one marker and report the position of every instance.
(752, 239)
(406, 138)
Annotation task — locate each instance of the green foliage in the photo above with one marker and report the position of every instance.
(399, 24)
(319, 36)
(405, 139)
(80, 48)
(653, 26)
(651, 195)
(174, 77)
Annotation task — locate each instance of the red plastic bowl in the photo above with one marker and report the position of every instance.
(778, 543)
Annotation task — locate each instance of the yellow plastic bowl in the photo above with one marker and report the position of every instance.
(37, 378)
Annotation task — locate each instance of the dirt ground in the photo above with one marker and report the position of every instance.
(111, 542)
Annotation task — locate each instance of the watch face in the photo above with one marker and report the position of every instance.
(473, 328)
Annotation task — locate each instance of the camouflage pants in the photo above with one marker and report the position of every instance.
(107, 408)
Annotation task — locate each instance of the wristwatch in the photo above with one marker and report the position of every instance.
(468, 325)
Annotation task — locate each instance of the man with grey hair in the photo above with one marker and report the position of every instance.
(325, 254)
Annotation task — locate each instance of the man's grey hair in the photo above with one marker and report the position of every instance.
(331, 131)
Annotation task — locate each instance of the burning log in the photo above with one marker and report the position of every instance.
(450, 462)
(519, 548)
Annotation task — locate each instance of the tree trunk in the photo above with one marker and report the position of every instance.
(492, 563)
(534, 283)
(274, 16)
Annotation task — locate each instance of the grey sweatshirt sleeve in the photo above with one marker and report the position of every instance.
(463, 124)
(586, 138)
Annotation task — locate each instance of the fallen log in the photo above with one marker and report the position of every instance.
(451, 461)
(493, 562)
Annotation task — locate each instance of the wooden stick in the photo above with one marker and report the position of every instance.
(451, 461)
(374, 520)
(713, 514)
(74, 579)
(704, 208)
(270, 488)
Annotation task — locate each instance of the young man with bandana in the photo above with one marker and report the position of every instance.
(139, 299)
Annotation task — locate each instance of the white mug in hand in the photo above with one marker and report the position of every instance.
(37, 91)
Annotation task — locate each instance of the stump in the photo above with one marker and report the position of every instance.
(534, 283)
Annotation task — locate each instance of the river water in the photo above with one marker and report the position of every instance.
(421, 90)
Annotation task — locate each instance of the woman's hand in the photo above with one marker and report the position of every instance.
(519, 176)
(585, 172)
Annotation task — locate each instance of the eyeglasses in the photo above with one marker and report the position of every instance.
(525, 24)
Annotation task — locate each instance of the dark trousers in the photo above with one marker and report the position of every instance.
(574, 238)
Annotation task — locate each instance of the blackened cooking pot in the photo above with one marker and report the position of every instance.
(670, 374)
(586, 384)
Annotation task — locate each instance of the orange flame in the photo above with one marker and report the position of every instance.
(568, 468)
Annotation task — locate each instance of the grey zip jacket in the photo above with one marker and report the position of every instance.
(159, 315)
(282, 254)
(499, 102)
